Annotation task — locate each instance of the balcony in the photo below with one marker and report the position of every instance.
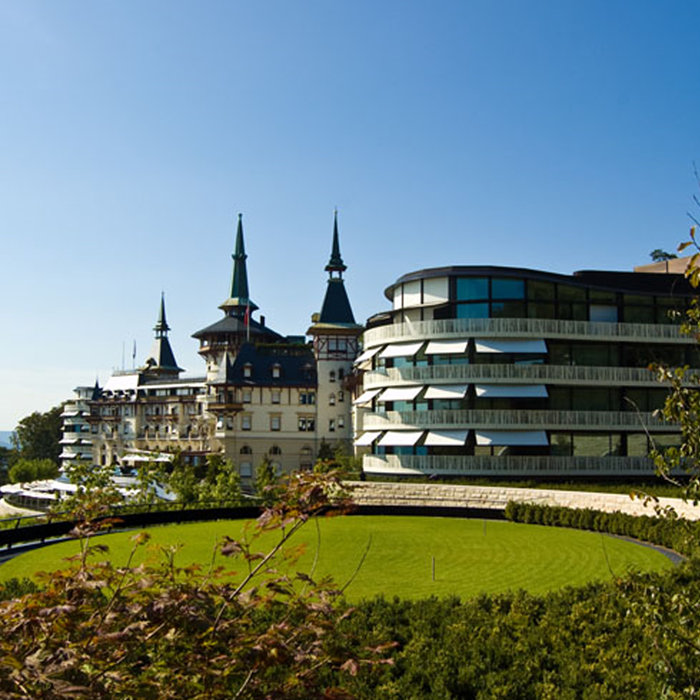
(225, 407)
(411, 465)
(531, 420)
(526, 374)
(524, 328)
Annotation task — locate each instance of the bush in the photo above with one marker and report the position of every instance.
(674, 533)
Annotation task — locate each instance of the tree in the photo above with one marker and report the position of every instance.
(32, 470)
(266, 482)
(102, 630)
(37, 436)
(659, 255)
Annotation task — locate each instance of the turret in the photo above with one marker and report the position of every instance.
(161, 359)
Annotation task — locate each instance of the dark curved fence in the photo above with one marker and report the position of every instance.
(51, 530)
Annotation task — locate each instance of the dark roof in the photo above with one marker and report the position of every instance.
(229, 325)
(336, 305)
(296, 363)
(610, 280)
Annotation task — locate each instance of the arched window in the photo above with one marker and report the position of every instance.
(276, 371)
(246, 450)
(247, 370)
(331, 376)
(275, 450)
(331, 400)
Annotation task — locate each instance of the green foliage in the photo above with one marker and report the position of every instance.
(266, 482)
(217, 480)
(8, 456)
(32, 470)
(163, 631)
(338, 459)
(37, 435)
(673, 533)
(17, 587)
(95, 495)
(658, 255)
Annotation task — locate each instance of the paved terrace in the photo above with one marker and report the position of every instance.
(377, 493)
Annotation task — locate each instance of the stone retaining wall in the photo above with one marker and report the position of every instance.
(496, 497)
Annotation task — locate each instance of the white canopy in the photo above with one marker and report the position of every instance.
(495, 391)
(446, 437)
(447, 347)
(511, 437)
(366, 355)
(400, 438)
(367, 438)
(446, 391)
(401, 350)
(403, 393)
(507, 345)
(366, 396)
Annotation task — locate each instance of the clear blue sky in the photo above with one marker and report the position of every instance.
(557, 135)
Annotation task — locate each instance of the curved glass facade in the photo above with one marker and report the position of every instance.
(488, 370)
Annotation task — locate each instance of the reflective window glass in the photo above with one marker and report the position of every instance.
(469, 288)
(567, 293)
(506, 288)
(508, 309)
(540, 290)
(479, 310)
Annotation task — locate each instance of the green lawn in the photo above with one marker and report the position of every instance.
(471, 556)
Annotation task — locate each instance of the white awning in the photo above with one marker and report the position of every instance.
(400, 438)
(70, 414)
(496, 391)
(403, 393)
(367, 438)
(69, 441)
(366, 355)
(401, 350)
(446, 437)
(446, 347)
(446, 391)
(366, 396)
(511, 437)
(507, 345)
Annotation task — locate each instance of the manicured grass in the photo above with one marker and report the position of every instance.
(471, 556)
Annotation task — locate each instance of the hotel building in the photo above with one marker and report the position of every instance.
(504, 371)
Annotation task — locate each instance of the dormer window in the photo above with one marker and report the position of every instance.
(247, 370)
(276, 371)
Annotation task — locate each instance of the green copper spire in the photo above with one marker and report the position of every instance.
(239, 300)
(335, 264)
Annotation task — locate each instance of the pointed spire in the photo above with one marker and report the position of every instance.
(161, 358)
(336, 307)
(336, 264)
(161, 328)
(239, 299)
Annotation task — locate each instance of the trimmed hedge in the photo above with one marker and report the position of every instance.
(678, 534)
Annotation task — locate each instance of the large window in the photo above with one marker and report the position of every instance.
(469, 288)
(507, 288)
